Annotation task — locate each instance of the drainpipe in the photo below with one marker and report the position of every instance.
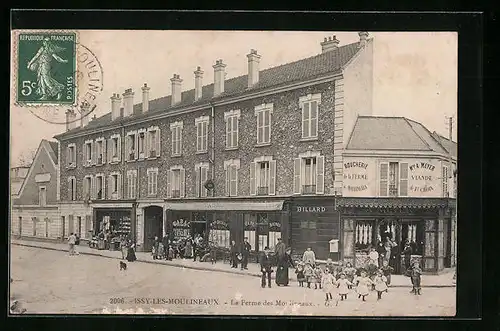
(213, 145)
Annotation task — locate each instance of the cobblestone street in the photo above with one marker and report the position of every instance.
(47, 281)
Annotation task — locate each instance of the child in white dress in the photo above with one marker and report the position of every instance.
(363, 285)
(328, 284)
(343, 284)
(380, 284)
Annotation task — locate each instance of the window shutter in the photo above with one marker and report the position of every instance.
(205, 136)
(68, 157)
(320, 175)
(85, 188)
(92, 188)
(228, 132)
(169, 180)
(94, 152)
(127, 148)
(204, 176)
(227, 180)
(403, 179)
(296, 176)
(104, 151)
(183, 183)
(150, 182)
(384, 174)
(253, 180)
(134, 185)
(84, 155)
(119, 186)
(199, 136)
(197, 187)
(103, 194)
(120, 152)
(70, 190)
(272, 177)
(109, 151)
(235, 131)
(74, 188)
(314, 119)
(260, 127)
(110, 186)
(305, 120)
(158, 140)
(136, 156)
(235, 172)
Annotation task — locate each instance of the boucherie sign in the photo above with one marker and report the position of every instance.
(355, 174)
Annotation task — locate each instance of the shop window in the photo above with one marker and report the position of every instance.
(181, 228)
(268, 231)
(365, 235)
(219, 233)
(414, 233)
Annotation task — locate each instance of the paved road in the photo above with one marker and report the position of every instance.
(53, 282)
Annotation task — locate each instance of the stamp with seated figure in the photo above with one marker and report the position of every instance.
(46, 68)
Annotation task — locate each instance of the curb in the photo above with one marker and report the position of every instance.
(180, 265)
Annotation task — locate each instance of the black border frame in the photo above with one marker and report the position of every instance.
(470, 103)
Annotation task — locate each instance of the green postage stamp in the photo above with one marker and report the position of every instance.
(46, 68)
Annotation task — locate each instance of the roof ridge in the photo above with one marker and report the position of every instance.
(430, 134)
(422, 139)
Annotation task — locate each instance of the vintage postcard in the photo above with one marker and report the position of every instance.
(240, 173)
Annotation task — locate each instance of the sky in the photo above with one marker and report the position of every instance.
(415, 73)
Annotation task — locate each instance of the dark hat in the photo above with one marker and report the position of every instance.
(266, 248)
(245, 238)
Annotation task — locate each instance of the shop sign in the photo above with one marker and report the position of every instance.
(219, 225)
(422, 176)
(311, 209)
(275, 226)
(181, 223)
(356, 176)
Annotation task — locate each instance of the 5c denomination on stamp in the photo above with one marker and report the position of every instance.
(46, 68)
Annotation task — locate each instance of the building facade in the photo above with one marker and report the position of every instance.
(399, 182)
(34, 209)
(252, 156)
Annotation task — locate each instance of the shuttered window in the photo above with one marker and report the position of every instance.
(152, 181)
(232, 131)
(310, 120)
(202, 136)
(403, 179)
(384, 179)
(176, 140)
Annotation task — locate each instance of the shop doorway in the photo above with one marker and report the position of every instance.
(153, 226)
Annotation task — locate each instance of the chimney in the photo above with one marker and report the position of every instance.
(145, 98)
(219, 76)
(128, 102)
(329, 44)
(362, 38)
(198, 83)
(85, 112)
(70, 119)
(253, 67)
(176, 89)
(115, 106)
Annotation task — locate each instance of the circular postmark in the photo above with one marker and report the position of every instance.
(88, 81)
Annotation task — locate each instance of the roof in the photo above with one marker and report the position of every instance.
(450, 145)
(392, 133)
(53, 149)
(308, 68)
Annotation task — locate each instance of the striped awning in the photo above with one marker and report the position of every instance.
(225, 205)
(396, 203)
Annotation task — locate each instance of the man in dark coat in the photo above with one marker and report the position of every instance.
(166, 244)
(234, 254)
(280, 249)
(265, 268)
(245, 252)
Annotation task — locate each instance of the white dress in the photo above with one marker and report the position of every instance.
(328, 283)
(363, 285)
(343, 285)
(380, 283)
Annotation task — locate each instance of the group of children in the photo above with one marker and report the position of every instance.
(341, 279)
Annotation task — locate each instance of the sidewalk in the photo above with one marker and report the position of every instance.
(442, 280)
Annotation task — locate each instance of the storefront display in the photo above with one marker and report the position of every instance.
(219, 233)
(181, 228)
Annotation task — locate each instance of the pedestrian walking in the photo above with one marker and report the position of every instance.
(265, 268)
(343, 285)
(245, 252)
(234, 255)
(166, 245)
(380, 284)
(71, 244)
(328, 284)
(309, 257)
(131, 253)
(363, 285)
(123, 246)
(416, 277)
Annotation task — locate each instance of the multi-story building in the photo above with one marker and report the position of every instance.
(252, 156)
(34, 209)
(399, 181)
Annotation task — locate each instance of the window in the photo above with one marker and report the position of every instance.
(131, 146)
(263, 176)
(42, 195)
(153, 142)
(87, 152)
(176, 129)
(152, 181)
(131, 184)
(263, 113)
(72, 188)
(220, 238)
(101, 151)
(114, 149)
(445, 180)
(142, 142)
(202, 134)
(309, 105)
(309, 174)
(34, 221)
(176, 182)
(115, 185)
(87, 187)
(365, 235)
(201, 171)
(393, 179)
(71, 156)
(231, 171)
(232, 118)
(100, 187)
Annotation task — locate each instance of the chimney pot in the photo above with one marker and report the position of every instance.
(176, 89)
(253, 68)
(115, 106)
(70, 119)
(145, 98)
(198, 83)
(128, 102)
(85, 111)
(329, 44)
(219, 76)
(363, 35)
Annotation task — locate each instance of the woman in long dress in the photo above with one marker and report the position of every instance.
(47, 86)
(283, 264)
(131, 253)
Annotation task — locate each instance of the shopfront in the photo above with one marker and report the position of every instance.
(315, 224)
(221, 222)
(116, 218)
(422, 222)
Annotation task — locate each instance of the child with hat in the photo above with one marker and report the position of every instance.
(299, 271)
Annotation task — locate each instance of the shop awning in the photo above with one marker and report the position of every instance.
(225, 205)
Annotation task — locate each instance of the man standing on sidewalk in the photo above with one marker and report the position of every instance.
(71, 243)
(265, 268)
(245, 253)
